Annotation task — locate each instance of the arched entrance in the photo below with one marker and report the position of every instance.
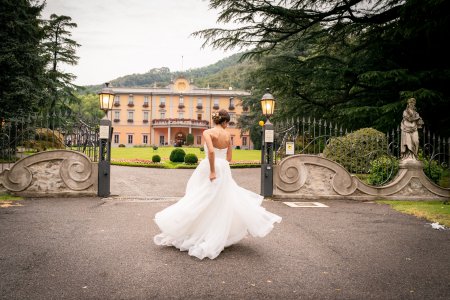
(180, 139)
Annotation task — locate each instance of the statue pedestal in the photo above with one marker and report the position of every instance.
(411, 164)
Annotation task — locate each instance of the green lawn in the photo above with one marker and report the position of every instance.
(8, 197)
(7, 200)
(433, 211)
(146, 153)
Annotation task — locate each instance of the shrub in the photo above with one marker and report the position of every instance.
(238, 147)
(190, 158)
(189, 139)
(202, 148)
(382, 170)
(355, 150)
(177, 155)
(156, 158)
(155, 147)
(45, 139)
(121, 146)
(433, 170)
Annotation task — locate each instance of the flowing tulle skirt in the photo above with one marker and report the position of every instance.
(213, 215)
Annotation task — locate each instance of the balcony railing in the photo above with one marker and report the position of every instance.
(130, 120)
(162, 105)
(145, 121)
(216, 106)
(116, 104)
(116, 120)
(180, 122)
(199, 106)
(231, 107)
(130, 104)
(145, 105)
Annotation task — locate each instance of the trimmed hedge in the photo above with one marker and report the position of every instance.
(190, 139)
(355, 150)
(156, 158)
(190, 158)
(177, 155)
(382, 170)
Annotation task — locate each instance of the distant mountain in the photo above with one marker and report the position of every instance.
(222, 74)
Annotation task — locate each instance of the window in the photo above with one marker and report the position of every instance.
(130, 116)
(161, 140)
(232, 119)
(216, 103)
(180, 115)
(181, 102)
(130, 100)
(163, 115)
(116, 115)
(116, 138)
(199, 103)
(145, 139)
(116, 100)
(231, 107)
(145, 116)
(199, 139)
(146, 101)
(130, 139)
(199, 117)
(244, 141)
(162, 102)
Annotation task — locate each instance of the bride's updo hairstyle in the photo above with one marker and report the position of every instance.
(221, 116)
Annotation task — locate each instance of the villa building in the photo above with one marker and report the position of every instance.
(165, 116)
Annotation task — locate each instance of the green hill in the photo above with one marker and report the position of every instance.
(222, 74)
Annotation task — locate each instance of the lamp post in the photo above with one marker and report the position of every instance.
(106, 97)
(267, 106)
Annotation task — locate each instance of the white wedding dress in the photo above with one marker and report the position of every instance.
(213, 215)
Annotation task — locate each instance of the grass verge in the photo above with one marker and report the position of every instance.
(8, 197)
(433, 211)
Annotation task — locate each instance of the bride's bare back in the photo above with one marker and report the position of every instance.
(219, 138)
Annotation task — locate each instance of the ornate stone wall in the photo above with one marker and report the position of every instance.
(52, 174)
(313, 177)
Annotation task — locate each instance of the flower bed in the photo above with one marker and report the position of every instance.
(170, 165)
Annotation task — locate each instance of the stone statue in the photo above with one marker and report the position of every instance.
(410, 137)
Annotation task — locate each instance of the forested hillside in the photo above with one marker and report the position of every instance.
(224, 73)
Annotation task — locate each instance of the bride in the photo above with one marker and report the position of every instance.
(215, 212)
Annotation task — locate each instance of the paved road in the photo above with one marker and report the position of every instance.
(149, 182)
(102, 249)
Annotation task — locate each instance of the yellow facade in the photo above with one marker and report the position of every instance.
(165, 116)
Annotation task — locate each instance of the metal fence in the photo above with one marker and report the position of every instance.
(358, 151)
(24, 135)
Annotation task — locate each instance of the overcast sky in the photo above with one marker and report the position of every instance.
(122, 37)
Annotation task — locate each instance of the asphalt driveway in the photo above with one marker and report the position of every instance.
(102, 249)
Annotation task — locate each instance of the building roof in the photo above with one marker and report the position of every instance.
(179, 86)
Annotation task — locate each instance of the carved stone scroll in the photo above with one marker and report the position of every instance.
(313, 177)
(52, 173)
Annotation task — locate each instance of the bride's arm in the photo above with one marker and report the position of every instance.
(229, 154)
(211, 156)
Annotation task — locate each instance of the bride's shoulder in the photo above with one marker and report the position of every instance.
(207, 131)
